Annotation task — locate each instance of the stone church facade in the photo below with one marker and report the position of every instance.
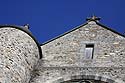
(90, 53)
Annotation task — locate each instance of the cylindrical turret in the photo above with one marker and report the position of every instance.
(19, 53)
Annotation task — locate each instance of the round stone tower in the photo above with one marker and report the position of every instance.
(19, 53)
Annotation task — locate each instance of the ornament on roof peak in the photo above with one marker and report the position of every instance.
(93, 18)
(26, 26)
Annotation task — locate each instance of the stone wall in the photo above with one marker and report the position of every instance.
(64, 58)
(18, 55)
(69, 50)
(61, 74)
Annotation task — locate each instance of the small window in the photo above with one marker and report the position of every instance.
(89, 51)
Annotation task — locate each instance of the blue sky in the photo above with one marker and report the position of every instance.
(50, 18)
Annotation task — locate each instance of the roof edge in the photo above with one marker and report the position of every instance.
(63, 34)
(78, 28)
(108, 28)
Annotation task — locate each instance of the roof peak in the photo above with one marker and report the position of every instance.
(93, 18)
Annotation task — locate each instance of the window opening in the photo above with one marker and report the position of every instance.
(89, 50)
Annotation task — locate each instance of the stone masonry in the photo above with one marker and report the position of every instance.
(18, 55)
(63, 59)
